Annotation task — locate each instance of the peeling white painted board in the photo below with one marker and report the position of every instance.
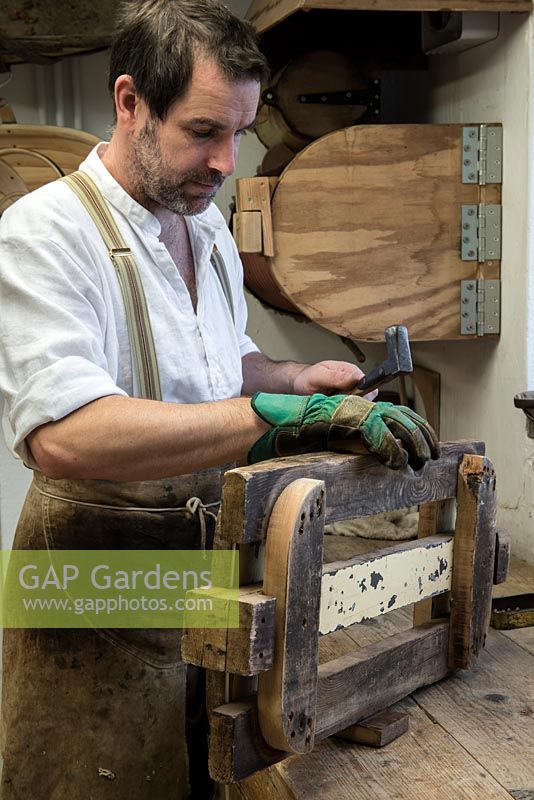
(375, 583)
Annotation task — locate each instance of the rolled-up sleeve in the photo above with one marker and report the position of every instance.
(52, 329)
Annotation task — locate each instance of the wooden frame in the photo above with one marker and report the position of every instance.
(285, 503)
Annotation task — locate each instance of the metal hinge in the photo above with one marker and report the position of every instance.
(482, 154)
(481, 232)
(480, 307)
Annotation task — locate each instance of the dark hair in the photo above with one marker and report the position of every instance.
(156, 43)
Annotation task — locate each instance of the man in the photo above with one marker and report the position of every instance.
(115, 384)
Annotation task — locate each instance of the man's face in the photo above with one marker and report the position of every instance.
(182, 162)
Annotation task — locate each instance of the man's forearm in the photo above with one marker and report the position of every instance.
(261, 374)
(127, 439)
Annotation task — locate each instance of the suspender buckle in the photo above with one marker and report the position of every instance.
(117, 252)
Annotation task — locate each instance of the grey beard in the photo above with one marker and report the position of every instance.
(148, 174)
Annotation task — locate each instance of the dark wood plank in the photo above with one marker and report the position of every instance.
(473, 561)
(246, 650)
(356, 486)
(384, 672)
(237, 747)
(378, 730)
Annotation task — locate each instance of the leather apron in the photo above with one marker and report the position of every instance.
(93, 714)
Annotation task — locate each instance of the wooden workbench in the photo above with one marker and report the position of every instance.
(471, 736)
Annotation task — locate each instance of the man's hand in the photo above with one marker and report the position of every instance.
(329, 377)
(260, 374)
(395, 434)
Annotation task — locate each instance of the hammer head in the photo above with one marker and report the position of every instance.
(398, 361)
(399, 357)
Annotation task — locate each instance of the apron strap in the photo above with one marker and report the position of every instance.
(144, 360)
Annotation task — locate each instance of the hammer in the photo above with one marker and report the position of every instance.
(398, 361)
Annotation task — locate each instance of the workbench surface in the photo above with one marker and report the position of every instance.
(471, 735)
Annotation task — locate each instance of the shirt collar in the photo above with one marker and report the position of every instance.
(209, 221)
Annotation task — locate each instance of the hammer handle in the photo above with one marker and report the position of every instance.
(375, 378)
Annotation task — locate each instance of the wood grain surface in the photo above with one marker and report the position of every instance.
(287, 693)
(474, 560)
(424, 764)
(66, 147)
(366, 225)
(265, 14)
(356, 486)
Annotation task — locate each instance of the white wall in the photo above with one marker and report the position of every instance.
(479, 379)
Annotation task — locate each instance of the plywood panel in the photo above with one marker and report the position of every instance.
(367, 231)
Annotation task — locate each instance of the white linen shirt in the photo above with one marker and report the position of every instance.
(63, 335)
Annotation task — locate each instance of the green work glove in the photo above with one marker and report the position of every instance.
(317, 422)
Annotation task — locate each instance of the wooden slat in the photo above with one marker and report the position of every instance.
(474, 558)
(246, 228)
(245, 650)
(254, 194)
(265, 15)
(372, 584)
(287, 693)
(378, 730)
(384, 672)
(356, 486)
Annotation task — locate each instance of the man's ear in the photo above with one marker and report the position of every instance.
(126, 101)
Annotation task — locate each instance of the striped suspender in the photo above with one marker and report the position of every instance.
(144, 361)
